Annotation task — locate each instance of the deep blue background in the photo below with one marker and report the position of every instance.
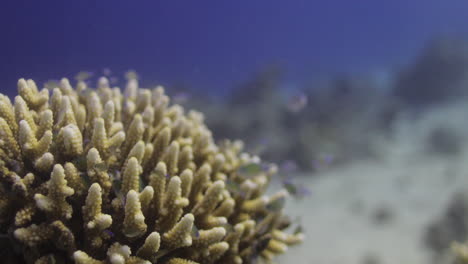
(214, 44)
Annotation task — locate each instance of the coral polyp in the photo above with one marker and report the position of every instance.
(100, 176)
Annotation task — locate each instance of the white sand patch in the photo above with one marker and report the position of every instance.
(415, 188)
(339, 215)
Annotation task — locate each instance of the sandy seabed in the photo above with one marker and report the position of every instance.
(377, 211)
(340, 217)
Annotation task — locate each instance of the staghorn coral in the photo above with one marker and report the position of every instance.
(97, 176)
(460, 252)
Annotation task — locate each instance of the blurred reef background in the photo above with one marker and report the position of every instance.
(364, 102)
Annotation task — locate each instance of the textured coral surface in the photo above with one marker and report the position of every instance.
(97, 176)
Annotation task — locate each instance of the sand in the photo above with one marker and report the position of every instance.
(377, 210)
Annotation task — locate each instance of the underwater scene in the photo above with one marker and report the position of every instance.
(237, 132)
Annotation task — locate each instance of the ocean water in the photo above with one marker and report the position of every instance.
(362, 104)
(212, 46)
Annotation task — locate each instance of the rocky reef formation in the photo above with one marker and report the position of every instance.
(97, 176)
(438, 75)
(339, 109)
(449, 230)
(324, 121)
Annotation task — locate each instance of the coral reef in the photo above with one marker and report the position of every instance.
(445, 236)
(328, 127)
(97, 176)
(451, 227)
(461, 253)
(418, 86)
(341, 108)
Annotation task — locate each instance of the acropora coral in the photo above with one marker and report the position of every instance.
(460, 251)
(100, 176)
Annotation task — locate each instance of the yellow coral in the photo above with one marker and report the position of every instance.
(150, 247)
(181, 234)
(95, 222)
(101, 177)
(461, 252)
(134, 222)
(55, 201)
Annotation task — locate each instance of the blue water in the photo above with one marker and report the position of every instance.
(215, 44)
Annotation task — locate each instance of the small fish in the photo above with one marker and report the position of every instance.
(115, 174)
(80, 163)
(229, 227)
(298, 230)
(141, 182)
(262, 244)
(116, 187)
(113, 80)
(297, 102)
(328, 158)
(284, 222)
(260, 147)
(195, 232)
(276, 205)
(51, 84)
(109, 233)
(297, 191)
(323, 161)
(180, 98)
(124, 200)
(232, 186)
(16, 166)
(85, 178)
(106, 72)
(290, 186)
(102, 167)
(254, 259)
(250, 169)
(51, 259)
(131, 75)
(132, 233)
(83, 76)
(112, 149)
(289, 166)
(258, 218)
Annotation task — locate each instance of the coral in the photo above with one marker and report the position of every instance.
(324, 120)
(461, 252)
(451, 227)
(446, 237)
(97, 176)
(418, 86)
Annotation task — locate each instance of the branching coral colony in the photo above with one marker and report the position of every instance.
(96, 176)
(460, 252)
